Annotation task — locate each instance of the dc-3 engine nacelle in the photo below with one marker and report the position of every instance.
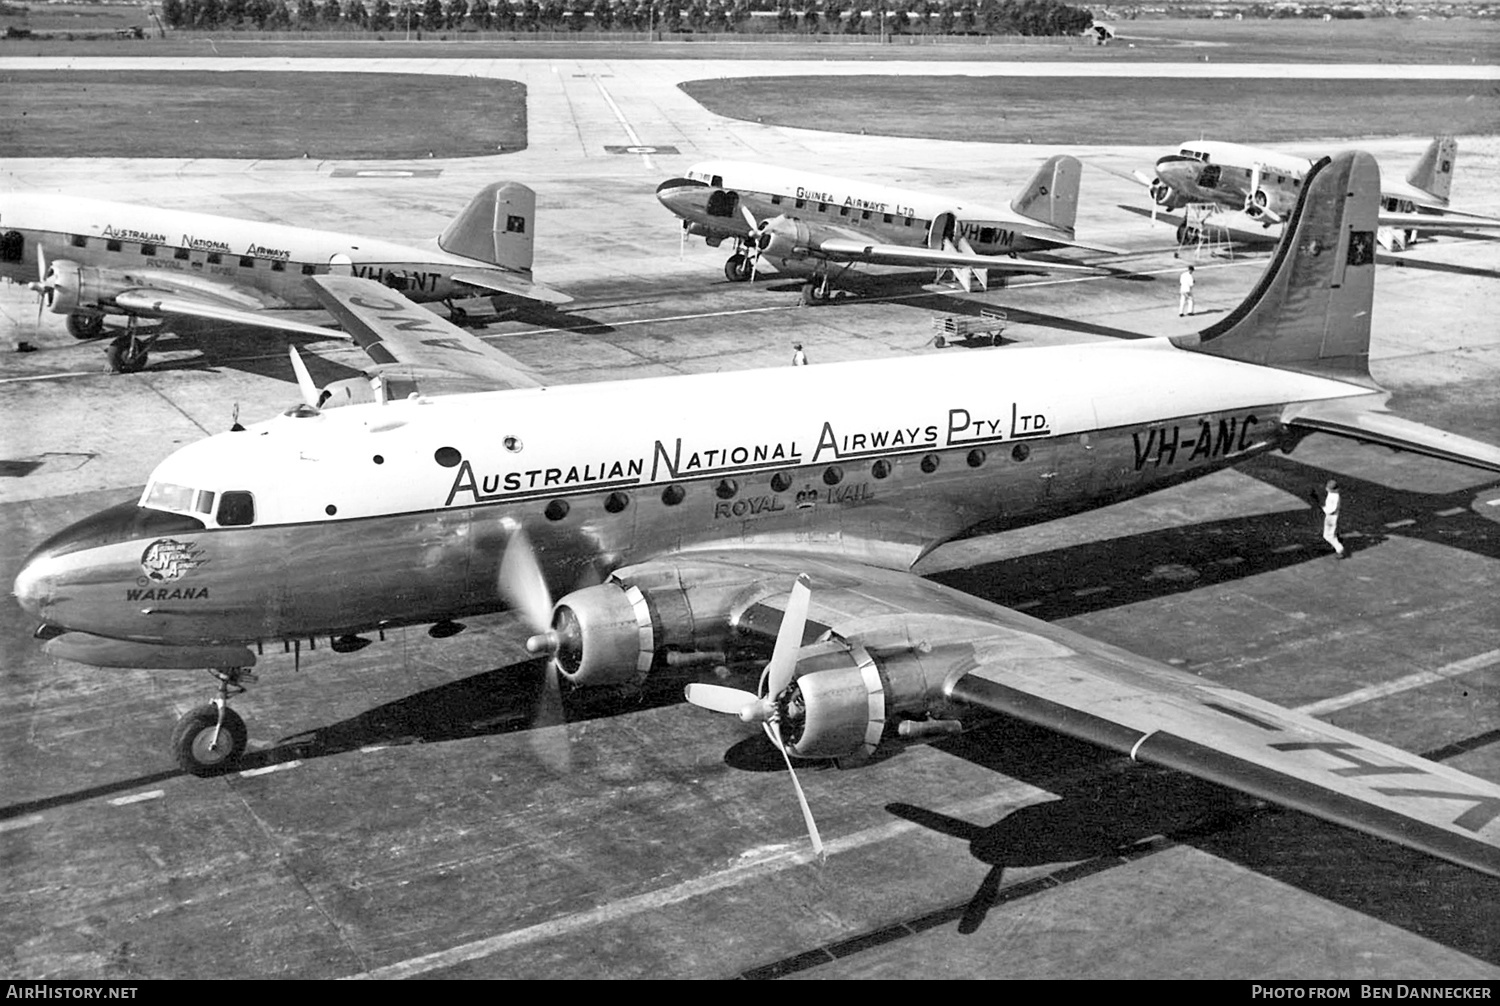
(783, 237)
(69, 287)
(1165, 196)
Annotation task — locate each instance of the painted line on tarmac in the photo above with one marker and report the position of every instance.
(268, 769)
(635, 140)
(1468, 665)
(154, 794)
(751, 872)
(21, 822)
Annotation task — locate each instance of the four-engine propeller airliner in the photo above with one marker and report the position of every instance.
(1259, 187)
(98, 258)
(717, 528)
(799, 222)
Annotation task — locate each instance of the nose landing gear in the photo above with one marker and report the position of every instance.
(210, 739)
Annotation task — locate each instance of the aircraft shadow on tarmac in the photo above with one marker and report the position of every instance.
(1416, 263)
(1111, 811)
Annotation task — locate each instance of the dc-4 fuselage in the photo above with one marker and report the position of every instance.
(321, 524)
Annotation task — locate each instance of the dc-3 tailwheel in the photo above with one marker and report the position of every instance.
(204, 745)
(737, 268)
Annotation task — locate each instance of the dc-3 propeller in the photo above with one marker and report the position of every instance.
(768, 709)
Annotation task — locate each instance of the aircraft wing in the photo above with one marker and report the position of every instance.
(197, 304)
(1051, 238)
(406, 340)
(997, 659)
(1445, 222)
(848, 249)
(512, 284)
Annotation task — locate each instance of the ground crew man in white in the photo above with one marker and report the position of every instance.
(799, 358)
(1332, 501)
(1185, 292)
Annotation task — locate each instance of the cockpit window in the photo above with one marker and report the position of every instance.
(166, 496)
(236, 509)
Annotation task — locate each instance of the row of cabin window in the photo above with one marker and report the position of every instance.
(182, 255)
(844, 212)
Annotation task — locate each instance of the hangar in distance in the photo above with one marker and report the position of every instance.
(682, 527)
(92, 259)
(821, 226)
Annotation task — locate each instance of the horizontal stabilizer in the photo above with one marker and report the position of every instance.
(514, 286)
(1355, 418)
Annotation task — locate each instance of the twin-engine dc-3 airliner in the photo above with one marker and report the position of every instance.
(97, 258)
(800, 222)
(716, 526)
(1260, 187)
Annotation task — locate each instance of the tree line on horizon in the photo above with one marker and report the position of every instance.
(940, 17)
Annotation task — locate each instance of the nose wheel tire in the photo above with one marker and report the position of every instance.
(204, 747)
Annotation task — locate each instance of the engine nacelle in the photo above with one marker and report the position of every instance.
(1164, 195)
(604, 635)
(70, 287)
(783, 237)
(349, 391)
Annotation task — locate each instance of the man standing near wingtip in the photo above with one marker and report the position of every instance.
(1185, 284)
(1332, 503)
(799, 358)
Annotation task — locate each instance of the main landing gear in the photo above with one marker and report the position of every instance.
(129, 352)
(210, 739)
(85, 326)
(738, 268)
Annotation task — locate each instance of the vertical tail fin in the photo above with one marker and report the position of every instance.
(1311, 309)
(1434, 172)
(498, 227)
(1051, 197)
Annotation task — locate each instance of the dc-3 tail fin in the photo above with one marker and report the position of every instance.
(1434, 172)
(1051, 197)
(498, 226)
(1310, 312)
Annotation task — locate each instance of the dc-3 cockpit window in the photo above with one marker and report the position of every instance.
(236, 509)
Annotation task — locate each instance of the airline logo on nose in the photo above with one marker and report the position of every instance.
(166, 560)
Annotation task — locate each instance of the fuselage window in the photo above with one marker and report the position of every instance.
(214, 258)
(864, 215)
(775, 200)
(247, 262)
(800, 203)
(887, 218)
(148, 250)
(12, 246)
(112, 245)
(204, 502)
(308, 269)
(822, 207)
(181, 254)
(278, 266)
(843, 211)
(908, 221)
(236, 509)
(78, 241)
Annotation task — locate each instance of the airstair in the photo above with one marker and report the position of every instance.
(1204, 233)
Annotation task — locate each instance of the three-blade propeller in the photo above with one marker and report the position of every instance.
(524, 588)
(767, 709)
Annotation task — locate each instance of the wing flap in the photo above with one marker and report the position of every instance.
(884, 254)
(167, 303)
(393, 330)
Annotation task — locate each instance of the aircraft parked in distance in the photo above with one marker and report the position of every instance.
(718, 528)
(99, 258)
(1262, 186)
(797, 220)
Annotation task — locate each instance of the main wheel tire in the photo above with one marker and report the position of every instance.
(192, 741)
(813, 293)
(85, 326)
(737, 268)
(123, 357)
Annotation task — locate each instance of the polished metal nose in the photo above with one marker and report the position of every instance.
(33, 586)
